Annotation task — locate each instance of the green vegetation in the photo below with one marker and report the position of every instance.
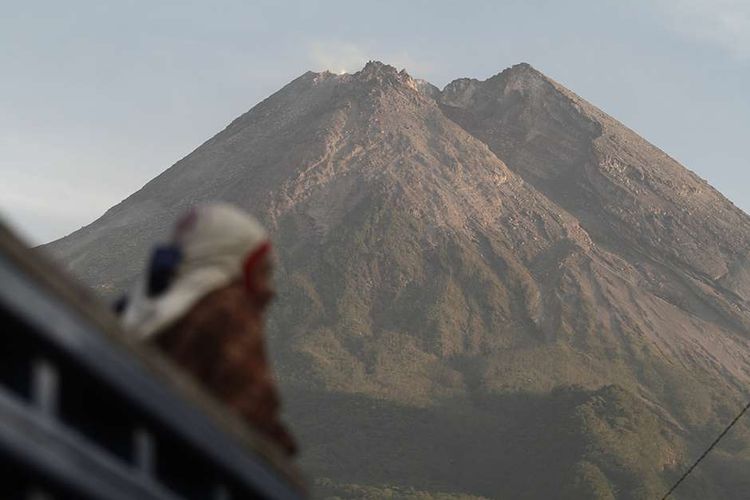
(329, 490)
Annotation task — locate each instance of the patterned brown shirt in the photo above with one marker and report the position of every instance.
(220, 341)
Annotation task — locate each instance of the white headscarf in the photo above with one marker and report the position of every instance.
(214, 241)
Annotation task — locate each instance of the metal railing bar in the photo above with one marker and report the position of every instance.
(45, 386)
(47, 446)
(85, 344)
(144, 451)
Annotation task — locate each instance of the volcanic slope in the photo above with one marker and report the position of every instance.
(492, 290)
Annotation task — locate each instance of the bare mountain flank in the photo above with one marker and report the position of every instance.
(494, 289)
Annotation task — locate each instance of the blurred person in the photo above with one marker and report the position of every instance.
(203, 301)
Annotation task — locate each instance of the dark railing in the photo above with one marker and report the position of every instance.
(87, 414)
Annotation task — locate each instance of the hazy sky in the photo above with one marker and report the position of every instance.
(96, 98)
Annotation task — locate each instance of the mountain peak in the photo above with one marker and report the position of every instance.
(383, 73)
(377, 67)
(520, 70)
(521, 76)
(442, 262)
(522, 66)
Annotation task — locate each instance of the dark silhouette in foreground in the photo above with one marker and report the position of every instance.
(203, 300)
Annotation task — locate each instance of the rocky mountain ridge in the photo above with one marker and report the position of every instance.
(479, 286)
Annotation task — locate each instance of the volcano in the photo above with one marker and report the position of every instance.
(490, 290)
